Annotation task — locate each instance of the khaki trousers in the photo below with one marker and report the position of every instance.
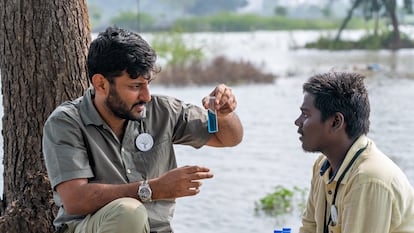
(124, 215)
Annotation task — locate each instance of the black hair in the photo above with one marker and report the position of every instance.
(116, 50)
(342, 92)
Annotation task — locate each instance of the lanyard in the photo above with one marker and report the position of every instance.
(333, 207)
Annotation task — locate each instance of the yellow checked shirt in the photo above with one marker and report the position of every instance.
(374, 196)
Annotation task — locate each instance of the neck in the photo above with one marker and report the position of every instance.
(118, 128)
(115, 123)
(338, 153)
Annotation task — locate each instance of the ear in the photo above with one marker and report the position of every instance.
(338, 121)
(100, 83)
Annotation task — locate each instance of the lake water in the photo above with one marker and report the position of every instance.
(271, 153)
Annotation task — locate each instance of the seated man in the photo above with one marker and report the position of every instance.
(355, 188)
(109, 154)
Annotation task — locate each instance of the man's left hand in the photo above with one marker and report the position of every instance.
(225, 100)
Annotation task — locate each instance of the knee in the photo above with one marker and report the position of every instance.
(126, 215)
(129, 213)
(129, 207)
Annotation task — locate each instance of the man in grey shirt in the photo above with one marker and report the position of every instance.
(109, 154)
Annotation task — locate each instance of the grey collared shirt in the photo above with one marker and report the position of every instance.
(77, 143)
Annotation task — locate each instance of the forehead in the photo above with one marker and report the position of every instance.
(308, 102)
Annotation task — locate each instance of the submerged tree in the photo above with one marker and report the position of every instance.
(43, 47)
(372, 8)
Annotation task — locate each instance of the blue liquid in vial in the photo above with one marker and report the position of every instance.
(212, 122)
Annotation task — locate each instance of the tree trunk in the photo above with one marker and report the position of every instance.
(348, 17)
(391, 7)
(43, 48)
(376, 27)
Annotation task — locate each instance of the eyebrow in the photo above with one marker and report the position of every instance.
(138, 82)
(304, 109)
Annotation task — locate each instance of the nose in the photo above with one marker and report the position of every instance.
(144, 94)
(298, 122)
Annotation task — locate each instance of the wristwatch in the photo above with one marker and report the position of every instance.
(145, 192)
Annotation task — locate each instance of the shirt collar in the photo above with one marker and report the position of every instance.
(358, 144)
(88, 113)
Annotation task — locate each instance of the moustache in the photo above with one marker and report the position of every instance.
(139, 103)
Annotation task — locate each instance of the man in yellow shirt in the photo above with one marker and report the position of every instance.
(355, 188)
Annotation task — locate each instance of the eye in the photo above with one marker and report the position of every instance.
(136, 86)
(304, 115)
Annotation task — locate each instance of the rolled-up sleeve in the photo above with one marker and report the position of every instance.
(64, 150)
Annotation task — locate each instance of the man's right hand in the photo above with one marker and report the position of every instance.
(80, 197)
(179, 182)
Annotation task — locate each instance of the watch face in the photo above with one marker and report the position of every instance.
(144, 192)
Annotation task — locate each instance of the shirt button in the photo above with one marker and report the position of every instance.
(329, 192)
(128, 171)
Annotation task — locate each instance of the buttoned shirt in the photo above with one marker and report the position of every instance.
(77, 143)
(374, 195)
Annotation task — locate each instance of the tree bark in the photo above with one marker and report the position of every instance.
(43, 48)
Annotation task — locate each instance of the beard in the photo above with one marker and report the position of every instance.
(120, 109)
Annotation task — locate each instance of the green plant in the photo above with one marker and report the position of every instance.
(281, 201)
(171, 47)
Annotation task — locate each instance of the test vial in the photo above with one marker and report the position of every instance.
(212, 116)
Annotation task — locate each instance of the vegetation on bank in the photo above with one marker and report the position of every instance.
(382, 10)
(219, 70)
(228, 21)
(249, 22)
(367, 42)
(186, 65)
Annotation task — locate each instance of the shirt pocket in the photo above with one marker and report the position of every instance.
(156, 161)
